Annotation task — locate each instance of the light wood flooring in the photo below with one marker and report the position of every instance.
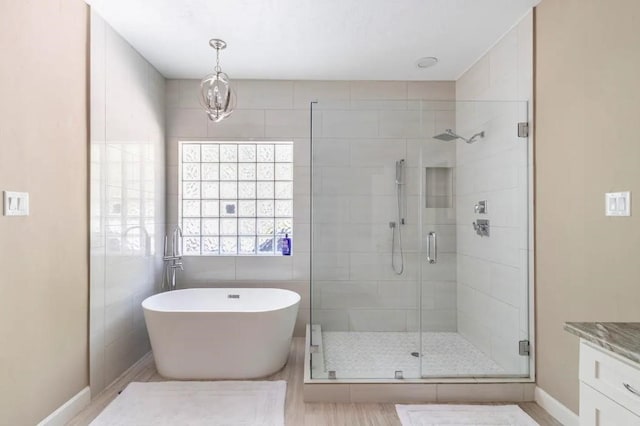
(297, 412)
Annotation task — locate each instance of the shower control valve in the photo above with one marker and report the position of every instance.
(481, 226)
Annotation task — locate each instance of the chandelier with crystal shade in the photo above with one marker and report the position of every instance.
(217, 96)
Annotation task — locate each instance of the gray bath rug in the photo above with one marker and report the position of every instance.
(459, 415)
(197, 403)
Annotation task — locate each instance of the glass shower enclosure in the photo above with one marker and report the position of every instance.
(420, 239)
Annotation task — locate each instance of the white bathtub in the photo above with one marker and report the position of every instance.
(221, 333)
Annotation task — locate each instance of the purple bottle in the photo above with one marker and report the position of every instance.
(285, 246)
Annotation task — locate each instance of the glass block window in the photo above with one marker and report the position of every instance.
(236, 198)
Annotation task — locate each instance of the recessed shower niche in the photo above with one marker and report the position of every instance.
(438, 187)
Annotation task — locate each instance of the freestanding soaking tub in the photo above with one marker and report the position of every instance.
(221, 333)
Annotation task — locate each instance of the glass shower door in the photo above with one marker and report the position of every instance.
(365, 240)
(420, 245)
(475, 240)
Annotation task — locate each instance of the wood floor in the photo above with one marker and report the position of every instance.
(297, 412)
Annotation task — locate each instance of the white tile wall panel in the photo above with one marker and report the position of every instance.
(127, 199)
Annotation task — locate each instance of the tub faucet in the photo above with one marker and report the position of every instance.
(176, 245)
(172, 261)
(177, 248)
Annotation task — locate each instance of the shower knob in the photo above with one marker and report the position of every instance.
(481, 207)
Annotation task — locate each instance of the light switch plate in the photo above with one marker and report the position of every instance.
(16, 203)
(618, 203)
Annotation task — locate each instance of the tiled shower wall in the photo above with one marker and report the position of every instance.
(493, 271)
(127, 200)
(356, 146)
(279, 110)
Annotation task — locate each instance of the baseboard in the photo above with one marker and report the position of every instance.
(69, 409)
(556, 408)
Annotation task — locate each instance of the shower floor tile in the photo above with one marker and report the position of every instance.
(370, 355)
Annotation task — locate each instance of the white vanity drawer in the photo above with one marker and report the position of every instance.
(611, 376)
(598, 410)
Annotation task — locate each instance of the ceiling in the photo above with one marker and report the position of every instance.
(314, 39)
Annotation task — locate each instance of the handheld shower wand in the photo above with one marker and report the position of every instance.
(399, 189)
(400, 219)
(399, 172)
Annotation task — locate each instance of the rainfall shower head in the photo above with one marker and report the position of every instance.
(449, 135)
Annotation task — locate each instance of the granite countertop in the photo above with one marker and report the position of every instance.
(623, 338)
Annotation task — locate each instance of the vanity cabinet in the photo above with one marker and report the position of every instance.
(609, 388)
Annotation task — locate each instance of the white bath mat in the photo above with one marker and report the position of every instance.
(197, 403)
(459, 415)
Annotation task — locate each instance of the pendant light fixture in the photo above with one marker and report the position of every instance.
(217, 96)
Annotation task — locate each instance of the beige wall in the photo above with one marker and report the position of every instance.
(587, 108)
(43, 145)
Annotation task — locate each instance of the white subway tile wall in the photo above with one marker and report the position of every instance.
(354, 198)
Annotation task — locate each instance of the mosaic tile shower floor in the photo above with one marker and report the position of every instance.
(366, 355)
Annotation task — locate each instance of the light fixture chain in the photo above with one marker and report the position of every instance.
(217, 68)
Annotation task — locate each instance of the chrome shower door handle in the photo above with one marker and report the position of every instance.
(432, 257)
